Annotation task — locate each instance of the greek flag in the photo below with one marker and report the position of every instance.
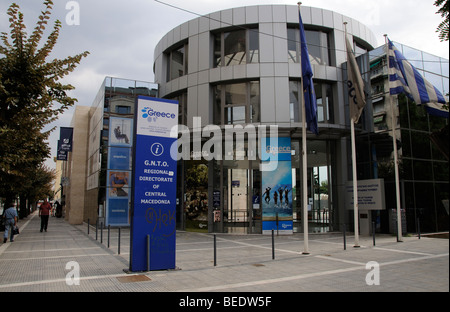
(404, 78)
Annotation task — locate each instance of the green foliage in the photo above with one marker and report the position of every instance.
(443, 29)
(31, 95)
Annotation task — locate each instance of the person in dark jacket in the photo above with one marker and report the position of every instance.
(10, 217)
(44, 213)
(58, 209)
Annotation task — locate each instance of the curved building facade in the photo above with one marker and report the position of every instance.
(241, 67)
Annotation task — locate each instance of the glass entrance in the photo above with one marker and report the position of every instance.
(196, 196)
(320, 209)
(241, 189)
(237, 195)
(320, 199)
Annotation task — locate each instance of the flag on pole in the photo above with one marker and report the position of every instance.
(355, 85)
(308, 85)
(405, 78)
(357, 101)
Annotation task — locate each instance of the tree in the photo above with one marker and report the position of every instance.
(443, 27)
(31, 95)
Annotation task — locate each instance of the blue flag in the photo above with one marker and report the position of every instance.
(405, 78)
(308, 85)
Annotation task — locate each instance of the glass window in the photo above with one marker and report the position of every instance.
(235, 94)
(254, 102)
(406, 143)
(324, 96)
(236, 47)
(318, 46)
(423, 170)
(359, 49)
(182, 108)
(237, 103)
(218, 50)
(253, 53)
(294, 101)
(314, 46)
(177, 64)
(235, 115)
(431, 63)
(123, 109)
(412, 55)
(435, 80)
(217, 109)
(445, 67)
(446, 85)
(293, 42)
(421, 145)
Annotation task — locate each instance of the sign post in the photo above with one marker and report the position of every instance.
(154, 185)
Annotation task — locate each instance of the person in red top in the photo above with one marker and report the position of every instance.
(44, 213)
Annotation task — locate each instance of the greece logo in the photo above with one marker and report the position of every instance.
(152, 115)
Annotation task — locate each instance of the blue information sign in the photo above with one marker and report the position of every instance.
(154, 187)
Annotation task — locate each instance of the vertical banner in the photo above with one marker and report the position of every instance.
(154, 186)
(276, 201)
(66, 138)
(62, 154)
(117, 197)
(119, 171)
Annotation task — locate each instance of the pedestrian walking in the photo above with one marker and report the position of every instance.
(58, 209)
(10, 217)
(44, 213)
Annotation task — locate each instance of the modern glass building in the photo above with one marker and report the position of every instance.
(239, 69)
(424, 168)
(109, 156)
(242, 67)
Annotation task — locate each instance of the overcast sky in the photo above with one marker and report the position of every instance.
(121, 35)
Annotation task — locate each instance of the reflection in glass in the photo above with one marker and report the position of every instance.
(318, 46)
(235, 115)
(236, 47)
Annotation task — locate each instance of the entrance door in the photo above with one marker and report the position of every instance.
(320, 210)
(241, 189)
(196, 195)
(320, 199)
(237, 195)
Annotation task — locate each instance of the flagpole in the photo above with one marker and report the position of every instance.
(355, 180)
(305, 161)
(394, 141)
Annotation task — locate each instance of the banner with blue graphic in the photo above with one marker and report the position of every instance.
(154, 186)
(276, 200)
(118, 191)
(66, 139)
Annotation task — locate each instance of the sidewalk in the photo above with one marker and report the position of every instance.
(48, 261)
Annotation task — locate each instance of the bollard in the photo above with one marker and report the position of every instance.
(373, 232)
(215, 250)
(96, 230)
(277, 223)
(118, 244)
(418, 227)
(109, 232)
(273, 245)
(101, 233)
(345, 240)
(88, 226)
(148, 252)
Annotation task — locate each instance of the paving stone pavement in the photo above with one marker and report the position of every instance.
(49, 262)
